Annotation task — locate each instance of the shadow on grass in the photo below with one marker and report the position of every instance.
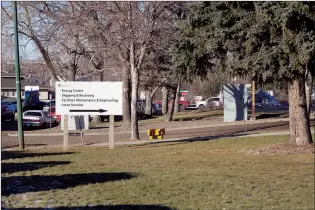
(23, 184)
(189, 118)
(107, 207)
(271, 115)
(18, 154)
(102, 127)
(30, 166)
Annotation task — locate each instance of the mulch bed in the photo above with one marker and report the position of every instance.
(283, 149)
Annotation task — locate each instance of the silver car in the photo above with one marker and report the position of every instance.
(38, 118)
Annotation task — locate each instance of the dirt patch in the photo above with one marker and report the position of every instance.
(283, 149)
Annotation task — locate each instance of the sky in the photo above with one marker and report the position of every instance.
(28, 50)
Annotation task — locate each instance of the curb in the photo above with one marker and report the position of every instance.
(248, 122)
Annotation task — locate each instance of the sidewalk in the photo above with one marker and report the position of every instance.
(248, 122)
(147, 142)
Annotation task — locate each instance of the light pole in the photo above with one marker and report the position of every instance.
(253, 99)
(17, 78)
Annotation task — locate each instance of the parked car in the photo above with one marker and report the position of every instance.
(7, 114)
(106, 118)
(38, 118)
(9, 105)
(52, 112)
(182, 105)
(34, 106)
(209, 103)
(141, 105)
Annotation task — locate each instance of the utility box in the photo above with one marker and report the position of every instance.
(76, 122)
(235, 102)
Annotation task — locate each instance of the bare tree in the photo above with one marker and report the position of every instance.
(130, 31)
(176, 104)
(36, 28)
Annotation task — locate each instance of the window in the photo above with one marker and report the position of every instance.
(13, 93)
(33, 114)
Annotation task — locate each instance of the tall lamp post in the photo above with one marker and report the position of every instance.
(253, 98)
(17, 77)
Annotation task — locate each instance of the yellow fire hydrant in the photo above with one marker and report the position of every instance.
(157, 133)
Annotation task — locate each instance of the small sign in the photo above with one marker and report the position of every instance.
(88, 98)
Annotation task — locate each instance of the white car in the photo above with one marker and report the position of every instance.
(209, 103)
(38, 118)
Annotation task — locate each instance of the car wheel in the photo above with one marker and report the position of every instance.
(55, 123)
(202, 107)
(44, 125)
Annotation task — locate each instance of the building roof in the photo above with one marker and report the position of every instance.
(10, 75)
(9, 83)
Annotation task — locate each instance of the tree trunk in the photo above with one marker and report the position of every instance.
(164, 100)
(47, 59)
(148, 103)
(72, 66)
(300, 132)
(177, 109)
(148, 100)
(170, 111)
(134, 94)
(126, 96)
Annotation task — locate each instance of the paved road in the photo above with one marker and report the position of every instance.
(213, 132)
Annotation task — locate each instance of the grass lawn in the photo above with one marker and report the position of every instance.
(186, 116)
(181, 116)
(216, 174)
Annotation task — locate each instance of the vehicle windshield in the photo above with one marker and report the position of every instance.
(33, 114)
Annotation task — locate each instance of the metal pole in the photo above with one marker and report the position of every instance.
(17, 77)
(50, 112)
(243, 101)
(111, 132)
(253, 99)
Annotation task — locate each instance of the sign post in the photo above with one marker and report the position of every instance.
(65, 133)
(111, 132)
(89, 98)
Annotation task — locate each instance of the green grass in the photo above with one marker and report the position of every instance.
(214, 174)
(181, 116)
(186, 116)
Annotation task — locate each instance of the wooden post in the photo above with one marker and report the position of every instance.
(111, 132)
(253, 100)
(65, 133)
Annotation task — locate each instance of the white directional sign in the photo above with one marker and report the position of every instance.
(89, 98)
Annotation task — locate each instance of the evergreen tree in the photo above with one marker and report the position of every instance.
(273, 40)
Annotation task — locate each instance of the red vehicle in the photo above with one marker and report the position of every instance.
(52, 112)
(183, 102)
